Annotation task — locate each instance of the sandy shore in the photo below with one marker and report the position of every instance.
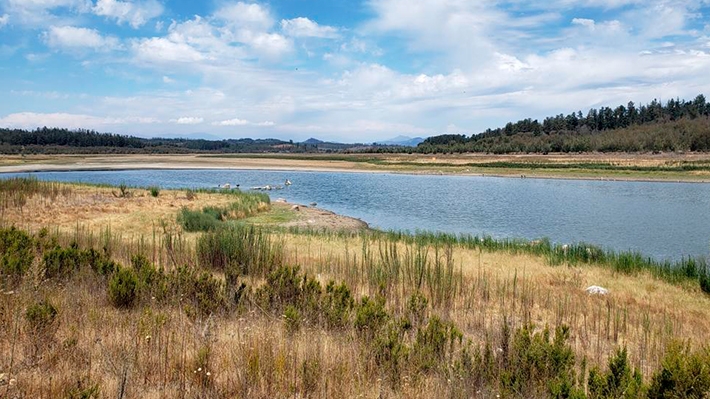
(408, 164)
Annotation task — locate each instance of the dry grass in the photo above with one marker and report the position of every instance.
(641, 312)
(94, 208)
(157, 351)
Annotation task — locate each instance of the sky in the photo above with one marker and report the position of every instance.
(341, 70)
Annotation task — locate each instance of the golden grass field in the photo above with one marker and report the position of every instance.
(156, 351)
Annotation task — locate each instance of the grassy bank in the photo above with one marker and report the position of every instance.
(240, 311)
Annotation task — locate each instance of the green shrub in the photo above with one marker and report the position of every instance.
(416, 307)
(246, 248)
(84, 389)
(292, 319)
(618, 382)
(122, 288)
(434, 342)
(41, 317)
(154, 191)
(338, 304)
(197, 221)
(370, 316)
(389, 350)
(16, 252)
(704, 281)
(123, 191)
(63, 262)
(538, 365)
(682, 375)
(208, 293)
(201, 292)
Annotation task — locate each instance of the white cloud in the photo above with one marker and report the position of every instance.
(168, 80)
(270, 46)
(232, 122)
(4, 20)
(134, 13)
(242, 122)
(73, 38)
(34, 13)
(304, 27)
(188, 120)
(162, 51)
(589, 23)
(251, 16)
(31, 120)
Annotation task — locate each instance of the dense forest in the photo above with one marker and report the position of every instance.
(677, 125)
(57, 140)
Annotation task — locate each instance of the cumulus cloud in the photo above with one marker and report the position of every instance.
(74, 38)
(304, 27)
(134, 13)
(4, 20)
(242, 122)
(162, 51)
(188, 120)
(251, 16)
(232, 122)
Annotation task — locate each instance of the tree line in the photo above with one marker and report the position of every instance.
(677, 125)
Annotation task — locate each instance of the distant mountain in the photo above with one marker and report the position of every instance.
(405, 141)
(191, 136)
(313, 141)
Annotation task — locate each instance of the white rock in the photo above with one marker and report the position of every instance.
(597, 290)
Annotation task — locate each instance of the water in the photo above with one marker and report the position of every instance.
(663, 220)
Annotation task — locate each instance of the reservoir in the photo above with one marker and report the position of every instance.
(658, 219)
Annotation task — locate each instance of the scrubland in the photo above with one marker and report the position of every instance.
(117, 292)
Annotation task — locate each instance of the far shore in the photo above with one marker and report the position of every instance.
(460, 165)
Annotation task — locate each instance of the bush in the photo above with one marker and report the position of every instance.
(683, 374)
(337, 305)
(434, 342)
(154, 191)
(63, 262)
(197, 221)
(292, 319)
(246, 248)
(203, 293)
(704, 281)
(536, 364)
(41, 317)
(123, 191)
(370, 316)
(16, 248)
(122, 288)
(618, 382)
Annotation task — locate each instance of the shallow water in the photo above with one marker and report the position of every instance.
(663, 220)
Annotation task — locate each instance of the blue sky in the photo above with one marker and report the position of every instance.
(339, 70)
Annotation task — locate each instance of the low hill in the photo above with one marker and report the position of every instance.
(678, 125)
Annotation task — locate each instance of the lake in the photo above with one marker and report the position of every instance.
(663, 220)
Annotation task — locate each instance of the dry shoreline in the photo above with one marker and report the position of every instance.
(452, 165)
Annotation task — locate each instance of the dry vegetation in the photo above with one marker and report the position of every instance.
(221, 313)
